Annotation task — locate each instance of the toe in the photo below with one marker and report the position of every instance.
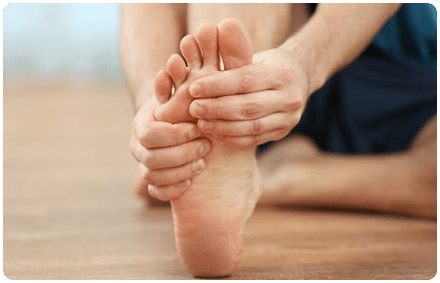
(162, 86)
(177, 69)
(234, 43)
(208, 41)
(191, 52)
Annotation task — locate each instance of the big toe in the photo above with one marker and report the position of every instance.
(235, 45)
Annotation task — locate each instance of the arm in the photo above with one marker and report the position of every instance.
(148, 35)
(335, 36)
(282, 79)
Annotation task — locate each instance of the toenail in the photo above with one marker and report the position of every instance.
(195, 89)
(198, 109)
(198, 166)
(207, 126)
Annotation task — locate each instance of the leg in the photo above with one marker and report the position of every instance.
(298, 147)
(403, 182)
(269, 25)
(423, 157)
(378, 105)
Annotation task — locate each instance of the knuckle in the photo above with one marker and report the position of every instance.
(153, 191)
(255, 140)
(134, 127)
(164, 196)
(146, 137)
(133, 150)
(295, 102)
(251, 109)
(157, 193)
(161, 194)
(146, 177)
(245, 142)
(187, 155)
(229, 129)
(282, 134)
(175, 134)
(218, 112)
(295, 119)
(257, 127)
(285, 75)
(215, 88)
(150, 159)
(245, 82)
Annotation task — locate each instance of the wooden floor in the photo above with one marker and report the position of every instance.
(69, 212)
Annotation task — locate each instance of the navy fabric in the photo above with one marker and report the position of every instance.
(375, 105)
(380, 102)
(411, 34)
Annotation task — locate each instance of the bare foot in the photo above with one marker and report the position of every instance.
(210, 216)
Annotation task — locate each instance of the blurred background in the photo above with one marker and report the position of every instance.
(72, 42)
(67, 114)
(68, 209)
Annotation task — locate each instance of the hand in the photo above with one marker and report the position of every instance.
(253, 104)
(168, 155)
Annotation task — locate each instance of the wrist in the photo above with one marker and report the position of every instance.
(307, 58)
(313, 46)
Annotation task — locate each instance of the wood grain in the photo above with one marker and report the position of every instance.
(69, 212)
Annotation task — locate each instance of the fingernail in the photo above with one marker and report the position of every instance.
(193, 134)
(197, 109)
(195, 89)
(198, 166)
(207, 126)
(204, 148)
(184, 185)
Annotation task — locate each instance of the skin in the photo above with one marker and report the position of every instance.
(209, 217)
(281, 80)
(135, 50)
(290, 73)
(141, 60)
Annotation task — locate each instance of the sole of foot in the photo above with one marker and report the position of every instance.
(210, 216)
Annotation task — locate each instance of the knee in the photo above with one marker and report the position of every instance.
(426, 136)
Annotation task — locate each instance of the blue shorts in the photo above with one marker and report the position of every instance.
(376, 105)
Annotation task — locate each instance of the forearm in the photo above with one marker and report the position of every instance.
(335, 36)
(148, 35)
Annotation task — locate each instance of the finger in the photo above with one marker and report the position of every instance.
(248, 141)
(141, 190)
(169, 192)
(244, 106)
(168, 157)
(153, 134)
(169, 176)
(155, 194)
(258, 126)
(249, 78)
